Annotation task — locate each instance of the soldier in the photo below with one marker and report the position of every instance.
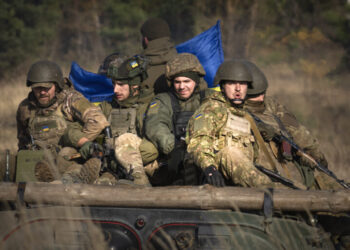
(277, 120)
(219, 134)
(158, 49)
(168, 113)
(51, 106)
(125, 114)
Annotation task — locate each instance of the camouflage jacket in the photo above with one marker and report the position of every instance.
(159, 127)
(158, 52)
(71, 106)
(270, 111)
(203, 132)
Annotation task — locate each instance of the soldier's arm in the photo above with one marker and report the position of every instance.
(88, 114)
(158, 124)
(22, 127)
(300, 134)
(201, 132)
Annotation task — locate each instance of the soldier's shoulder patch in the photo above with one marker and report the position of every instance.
(198, 116)
(134, 64)
(153, 104)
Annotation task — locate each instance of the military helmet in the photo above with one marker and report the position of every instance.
(184, 62)
(260, 83)
(132, 71)
(233, 70)
(45, 72)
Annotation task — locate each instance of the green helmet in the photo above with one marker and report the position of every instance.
(132, 71)
(45, 72)
(260, 83)
(184, 62)
(233, 70)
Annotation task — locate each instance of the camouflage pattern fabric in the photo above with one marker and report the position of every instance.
(302, 171)
(218, 135)
(70, 105)
(128, 155)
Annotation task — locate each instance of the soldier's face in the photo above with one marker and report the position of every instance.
(121, 90)
(184, 86)
(44, 95)
(235, 91)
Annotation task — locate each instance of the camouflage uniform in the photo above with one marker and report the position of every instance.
(126, 123)
(282, 122)
(219, 135)
(44, 127)
(162, 121)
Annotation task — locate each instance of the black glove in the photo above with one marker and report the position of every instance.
(213, 177)
(175, 159)
(267, 131)
(90, 149)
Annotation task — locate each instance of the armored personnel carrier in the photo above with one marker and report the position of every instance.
(56, 216)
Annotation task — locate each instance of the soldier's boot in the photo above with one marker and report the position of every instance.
(87, 173)
(139, 175)
(106, 179)
(43, 172)
(90, 171)
(72, 174)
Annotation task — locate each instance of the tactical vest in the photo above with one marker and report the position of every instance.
(236, 133)
(47, 129)
(181, 118)
(122, 120)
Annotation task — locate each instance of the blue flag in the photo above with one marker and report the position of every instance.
(95, 87)
(207, 47)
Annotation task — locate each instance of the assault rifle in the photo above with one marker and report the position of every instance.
(277, 177)
(280, 138)
(108, 158)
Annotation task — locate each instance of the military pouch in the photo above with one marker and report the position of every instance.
(26, 161)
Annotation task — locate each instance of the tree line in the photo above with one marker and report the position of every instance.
(88, 30)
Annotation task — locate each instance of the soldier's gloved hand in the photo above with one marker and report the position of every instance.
(266, 131)
(213, 177)
(90, 149)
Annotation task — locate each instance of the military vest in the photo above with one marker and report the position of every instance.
(181, 118)
(47, 129)
(122, 120)
(236, 133)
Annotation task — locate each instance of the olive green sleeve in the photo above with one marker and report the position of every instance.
(22, 117)
(158, 124)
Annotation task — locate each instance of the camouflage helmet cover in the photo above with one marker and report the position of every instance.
(132, 71)
(234, 70)
(183, 62)
(45, 72)
(260, 83)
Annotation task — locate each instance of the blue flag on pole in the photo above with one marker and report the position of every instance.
(95, 87)
(207, 47)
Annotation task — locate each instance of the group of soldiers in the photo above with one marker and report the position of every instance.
(165, 127)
